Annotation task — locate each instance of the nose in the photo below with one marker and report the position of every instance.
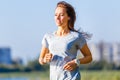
(57, 17)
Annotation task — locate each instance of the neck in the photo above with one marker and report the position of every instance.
(62, 31)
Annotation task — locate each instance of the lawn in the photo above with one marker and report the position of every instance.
(100, 75)
(86, 75)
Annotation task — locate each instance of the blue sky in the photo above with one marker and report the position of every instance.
(24, 22)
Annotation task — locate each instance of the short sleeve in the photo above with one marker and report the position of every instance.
(45, 41)
(81, 41)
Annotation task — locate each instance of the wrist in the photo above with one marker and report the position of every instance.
(77, 61)
(42, 60)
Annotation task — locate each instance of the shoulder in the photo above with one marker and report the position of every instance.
(48, 34)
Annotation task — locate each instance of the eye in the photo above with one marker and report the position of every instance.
(61, 14)
(55, 15)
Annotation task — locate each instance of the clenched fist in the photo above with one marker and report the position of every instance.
(48, 57)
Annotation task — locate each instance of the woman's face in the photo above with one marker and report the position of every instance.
(61, 17)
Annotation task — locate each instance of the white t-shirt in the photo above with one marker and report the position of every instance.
(64, 49)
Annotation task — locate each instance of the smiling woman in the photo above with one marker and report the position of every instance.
(60, 47)
(61, 17)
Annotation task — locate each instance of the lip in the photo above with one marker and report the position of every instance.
(58, 22)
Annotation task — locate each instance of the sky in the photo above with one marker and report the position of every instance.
(23, 23)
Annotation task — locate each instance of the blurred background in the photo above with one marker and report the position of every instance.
(23, 24)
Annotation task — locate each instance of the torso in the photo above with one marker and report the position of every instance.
(63, 49)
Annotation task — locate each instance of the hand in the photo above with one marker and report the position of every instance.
(48, 57)
(70, 66)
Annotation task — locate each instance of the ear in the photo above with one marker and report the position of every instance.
(68, 18)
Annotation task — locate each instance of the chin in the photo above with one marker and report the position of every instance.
(58, 24)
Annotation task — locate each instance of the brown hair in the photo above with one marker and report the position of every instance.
(71, 13)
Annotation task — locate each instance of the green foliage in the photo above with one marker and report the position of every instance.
(85, 75)
(35, 66)
(102, 65)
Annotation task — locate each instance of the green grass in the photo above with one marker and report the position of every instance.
(85, 75)
(30, 75)
(100, 75)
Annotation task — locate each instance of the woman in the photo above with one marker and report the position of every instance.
(60, 47)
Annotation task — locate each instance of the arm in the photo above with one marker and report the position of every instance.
(87, 55)
(86, 59)
(43, 52)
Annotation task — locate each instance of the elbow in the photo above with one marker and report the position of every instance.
(90, 60)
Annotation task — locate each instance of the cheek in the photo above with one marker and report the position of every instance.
(63, 19)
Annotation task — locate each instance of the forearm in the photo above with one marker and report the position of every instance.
(86, 60)
(87, 55)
